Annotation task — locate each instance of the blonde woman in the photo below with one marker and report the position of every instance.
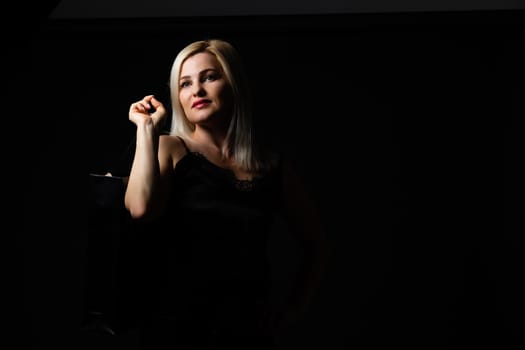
(208, 194)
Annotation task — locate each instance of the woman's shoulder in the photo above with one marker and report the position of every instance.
(172, 145)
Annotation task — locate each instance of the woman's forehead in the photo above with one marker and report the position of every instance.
(199, 62)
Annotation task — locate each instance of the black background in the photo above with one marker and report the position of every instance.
(407, 128)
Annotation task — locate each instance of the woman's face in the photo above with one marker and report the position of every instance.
(204, 91)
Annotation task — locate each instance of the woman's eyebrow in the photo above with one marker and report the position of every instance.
(200, 73)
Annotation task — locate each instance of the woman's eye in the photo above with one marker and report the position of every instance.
(184, 84)
(210, 77)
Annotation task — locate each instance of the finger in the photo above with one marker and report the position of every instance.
(135, 107)
(145, 105)
(155, 103)
(139, 106)
(146, 100)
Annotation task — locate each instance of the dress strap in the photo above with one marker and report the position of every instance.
(184, 144)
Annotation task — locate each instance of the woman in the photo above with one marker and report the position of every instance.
(209, 194)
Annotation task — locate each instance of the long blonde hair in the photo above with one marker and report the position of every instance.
(240, 138)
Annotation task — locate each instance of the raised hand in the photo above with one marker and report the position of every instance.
(148, 110)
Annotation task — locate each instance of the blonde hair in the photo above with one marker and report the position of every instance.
(240, 141)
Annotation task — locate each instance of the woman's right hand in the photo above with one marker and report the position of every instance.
(140, 115)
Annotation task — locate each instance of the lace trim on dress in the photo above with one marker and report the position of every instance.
(241, 185)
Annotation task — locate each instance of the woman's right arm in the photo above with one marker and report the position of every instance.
(146, 190)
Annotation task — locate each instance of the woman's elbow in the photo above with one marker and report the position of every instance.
(137, 213)
(136, 209)
(143, 211)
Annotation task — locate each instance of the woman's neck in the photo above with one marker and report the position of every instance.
(210, 143)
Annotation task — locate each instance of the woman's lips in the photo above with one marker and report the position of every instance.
(200, 103)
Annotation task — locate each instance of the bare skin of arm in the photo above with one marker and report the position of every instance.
(147, 189)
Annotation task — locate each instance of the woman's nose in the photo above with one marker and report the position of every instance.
(198, 90)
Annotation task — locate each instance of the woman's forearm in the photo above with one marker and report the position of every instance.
(145, 172)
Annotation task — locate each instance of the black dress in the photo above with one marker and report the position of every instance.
(210, 280)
